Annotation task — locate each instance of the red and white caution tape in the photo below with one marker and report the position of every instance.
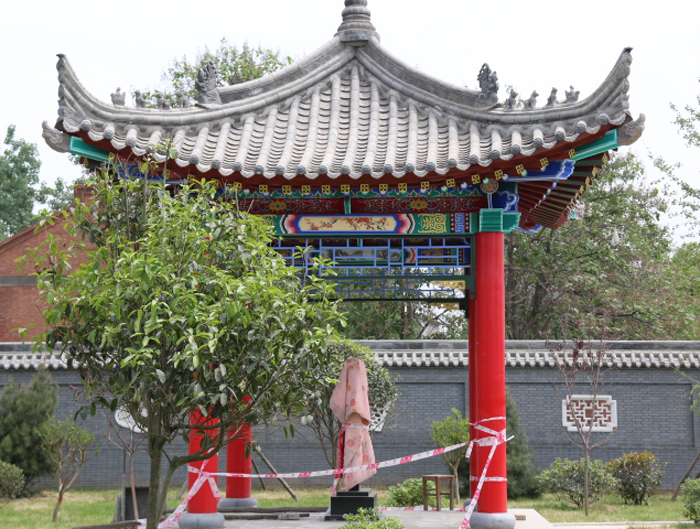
(333, 472)
(495, 439)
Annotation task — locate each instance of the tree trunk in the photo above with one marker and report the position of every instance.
(455, 486)
(133, 487)
(154, 508)
(57, 507)
(585, 485)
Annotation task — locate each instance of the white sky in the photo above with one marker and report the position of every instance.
(532, 46)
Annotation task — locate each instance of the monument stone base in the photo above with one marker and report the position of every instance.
(349, 501)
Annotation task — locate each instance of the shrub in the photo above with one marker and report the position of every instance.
(522, 475)
(67, 445)
(565, 479)
(691, 494)
(453, 430)
(11, 480)
(23, 412)
(638, 474)
(369, 519)
(407, 494)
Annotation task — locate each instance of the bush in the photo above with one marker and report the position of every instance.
(522, 475)
(565, 479)
(407, 494)
(23, 412)
(453, 430)
(369, 519)
(11, 480)
(638, 475)
(691, 494)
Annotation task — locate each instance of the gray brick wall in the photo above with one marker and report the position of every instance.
(654, 413)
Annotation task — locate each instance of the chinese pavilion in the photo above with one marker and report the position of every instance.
(407, 183)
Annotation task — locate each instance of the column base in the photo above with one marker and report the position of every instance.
(495, 520)
(214, 520)
(228, 504)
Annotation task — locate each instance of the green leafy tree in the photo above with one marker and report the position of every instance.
(684, 268)
(234, 65)
(522, 475)
(318, 416)
(565, 479)
(608, 269)
(23, 413)
(11, 481)
(638, 476)
(453, 430)
(58, 196)
(68, 446)
(181, 308)
(19, 184)
(402, 320)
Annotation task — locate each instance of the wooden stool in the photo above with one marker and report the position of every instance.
(439, 490)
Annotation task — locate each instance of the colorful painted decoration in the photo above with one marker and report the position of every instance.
(489, 186)
(359, 225)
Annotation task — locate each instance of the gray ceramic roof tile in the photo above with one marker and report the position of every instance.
(343, 110)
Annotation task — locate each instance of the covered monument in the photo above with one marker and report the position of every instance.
(408, 183)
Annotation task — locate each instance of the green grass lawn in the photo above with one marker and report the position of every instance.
(610, 508)
(85, 507)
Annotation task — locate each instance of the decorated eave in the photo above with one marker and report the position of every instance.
(350, 120)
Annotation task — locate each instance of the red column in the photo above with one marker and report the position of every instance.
(204, 502)
(490, 363)
(472, 389)
(237, 462)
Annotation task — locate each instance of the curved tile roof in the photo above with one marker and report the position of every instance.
(346, 111)
(432, 353)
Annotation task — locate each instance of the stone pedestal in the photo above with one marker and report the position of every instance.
(214, 520)
(349, 501)
(488, 520)
(229, 504)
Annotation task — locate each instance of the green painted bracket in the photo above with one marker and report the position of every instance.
(606, 143)
(79, 147)
(493, 220)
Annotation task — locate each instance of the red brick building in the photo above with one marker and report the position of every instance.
(19, 306)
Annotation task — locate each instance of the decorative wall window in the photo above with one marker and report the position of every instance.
(602, 413)
(377, 419)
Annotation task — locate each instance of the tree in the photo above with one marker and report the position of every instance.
(181, 308)
(11, 481)
(318, 416)
(234, 65)
(611, 264)
(402, 320)
(522, 476)
(19, 178)
(58, 196)
(583, 366)
(453, 430)
(23, 412)
(67, 444)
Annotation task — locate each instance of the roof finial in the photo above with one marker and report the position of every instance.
(357, 27)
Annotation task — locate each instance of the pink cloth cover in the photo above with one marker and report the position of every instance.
(350, 404)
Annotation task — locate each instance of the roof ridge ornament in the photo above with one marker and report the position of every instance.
(206, 84)
(356, 28)
(488, 82)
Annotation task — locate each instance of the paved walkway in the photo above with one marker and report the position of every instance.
(526, 519)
